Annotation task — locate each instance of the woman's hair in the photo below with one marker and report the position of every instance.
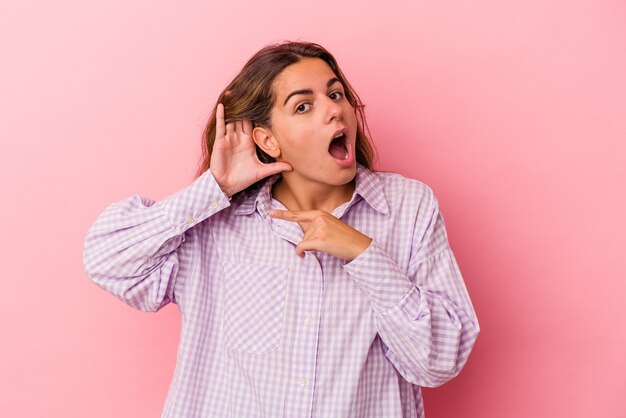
(250, 95)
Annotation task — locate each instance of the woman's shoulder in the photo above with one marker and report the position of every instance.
(398, 184)
(410, 199)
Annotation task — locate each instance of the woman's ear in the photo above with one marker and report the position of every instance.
(266, 141)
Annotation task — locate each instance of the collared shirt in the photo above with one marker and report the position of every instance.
(266, 333)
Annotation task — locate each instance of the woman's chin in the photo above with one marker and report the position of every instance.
(330, 175)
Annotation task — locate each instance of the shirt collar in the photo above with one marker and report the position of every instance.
(368, 186)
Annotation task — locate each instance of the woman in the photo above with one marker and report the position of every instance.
(309, 285)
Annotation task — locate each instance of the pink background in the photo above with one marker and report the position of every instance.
(514, 112)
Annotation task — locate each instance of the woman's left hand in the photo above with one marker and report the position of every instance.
(324, 232)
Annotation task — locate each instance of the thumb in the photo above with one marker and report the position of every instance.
(273, 168)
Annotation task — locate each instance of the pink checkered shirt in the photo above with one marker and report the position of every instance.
(266, 333)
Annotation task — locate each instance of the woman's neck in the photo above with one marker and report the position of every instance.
(298, 194)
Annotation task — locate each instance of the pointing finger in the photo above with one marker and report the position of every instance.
(278, 214)
(293, 215)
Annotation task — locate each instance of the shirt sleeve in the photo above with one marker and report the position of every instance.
(425, 317)
(133, 248)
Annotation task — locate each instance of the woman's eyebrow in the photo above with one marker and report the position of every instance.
(309, 91)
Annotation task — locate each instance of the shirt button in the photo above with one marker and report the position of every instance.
(303, 382)
(307, 320)
(190, 219)
(213, 204)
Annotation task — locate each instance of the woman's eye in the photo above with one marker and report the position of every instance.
(337, 92)
(300, 107)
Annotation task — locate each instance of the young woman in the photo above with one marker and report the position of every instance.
(309, 284)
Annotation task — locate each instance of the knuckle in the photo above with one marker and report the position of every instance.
(321, 220)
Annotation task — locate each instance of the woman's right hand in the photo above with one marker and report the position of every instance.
(234, 163)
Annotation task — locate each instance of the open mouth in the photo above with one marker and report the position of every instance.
(337, 147)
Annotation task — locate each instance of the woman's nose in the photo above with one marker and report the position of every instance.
(334, 109)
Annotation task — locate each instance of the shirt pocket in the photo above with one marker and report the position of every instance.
(254, 301)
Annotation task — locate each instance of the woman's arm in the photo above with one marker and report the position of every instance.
(133, 249)
(425, 317)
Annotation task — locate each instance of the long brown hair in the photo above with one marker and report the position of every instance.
(250, 95)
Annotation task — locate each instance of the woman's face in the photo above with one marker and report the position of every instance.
(310, 110)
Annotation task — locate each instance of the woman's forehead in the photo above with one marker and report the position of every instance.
(308, 74)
